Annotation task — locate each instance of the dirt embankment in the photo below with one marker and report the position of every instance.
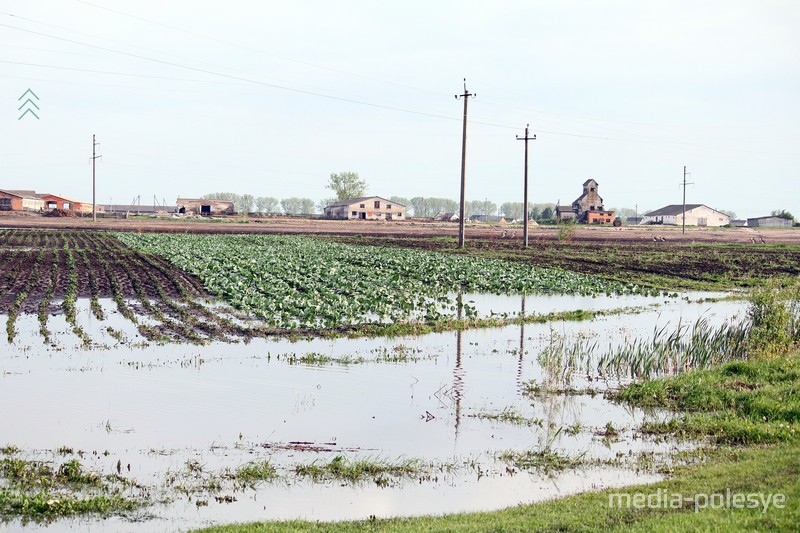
(411, 228)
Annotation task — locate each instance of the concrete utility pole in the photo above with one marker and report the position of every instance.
(525, 188)
(462, 207)
(94, 189)
(683, 222)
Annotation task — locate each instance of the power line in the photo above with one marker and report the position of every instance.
(75, 69)
(256, 50)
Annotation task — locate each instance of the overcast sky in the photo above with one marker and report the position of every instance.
(269, 98)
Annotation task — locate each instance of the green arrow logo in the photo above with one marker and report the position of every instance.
(28, 103)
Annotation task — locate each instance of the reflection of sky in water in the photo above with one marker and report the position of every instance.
(166, 404)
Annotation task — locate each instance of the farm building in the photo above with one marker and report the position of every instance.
(696, 215)
(208, 206)
(587, 208)
(632, 221)
(738, 223)
(19, 200)
(565, 213)
(366, 208)
(136, 209)
(769, 222)
(446, 217)
(53, 201)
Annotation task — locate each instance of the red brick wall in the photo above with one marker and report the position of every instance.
(16, 202)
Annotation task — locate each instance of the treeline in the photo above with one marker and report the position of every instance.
(418, 206)
(247, 203)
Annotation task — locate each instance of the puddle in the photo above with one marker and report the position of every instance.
(426, 397)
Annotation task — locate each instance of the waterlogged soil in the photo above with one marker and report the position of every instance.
(179, 418)
(45, 272)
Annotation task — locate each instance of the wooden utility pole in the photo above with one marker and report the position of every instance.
(462, 207)
(683, 222)
(94, 189)
(525, 188)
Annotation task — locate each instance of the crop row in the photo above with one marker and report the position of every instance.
(303, 282)
(46, 272)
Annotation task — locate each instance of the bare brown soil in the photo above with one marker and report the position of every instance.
(413, 228)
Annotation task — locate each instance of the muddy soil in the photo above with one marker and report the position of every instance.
(663, 235)
(40, 269)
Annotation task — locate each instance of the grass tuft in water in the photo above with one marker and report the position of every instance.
(357, 471)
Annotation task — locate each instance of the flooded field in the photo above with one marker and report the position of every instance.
(332, 428)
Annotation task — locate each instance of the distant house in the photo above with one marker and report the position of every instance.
(696, 215)
(447, 217)
(769, 222)
(587, 208)
(488, 218)
(20, 200)
(738, 223)
(366, 208)
(205, 206)
(54, 201)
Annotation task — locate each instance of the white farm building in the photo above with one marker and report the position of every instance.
(696, 215)
(366, 208)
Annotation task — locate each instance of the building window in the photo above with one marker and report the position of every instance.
(377, 204)
(362, 206)
(355, 213)
(399, 215)
(378, 214)
(592, 189)
(388, 206)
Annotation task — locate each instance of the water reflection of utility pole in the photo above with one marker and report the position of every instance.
(458, 372)
(521, 343)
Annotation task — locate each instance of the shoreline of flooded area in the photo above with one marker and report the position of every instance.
(176, 418)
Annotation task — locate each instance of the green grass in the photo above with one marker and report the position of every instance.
(41, 491)
(741, 402)
(358, 471)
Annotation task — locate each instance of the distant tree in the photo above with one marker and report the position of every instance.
(246, 203)
(400, 200)
(624, 212)
(481, 207)
(547, 215)
(267, 204)
(307, 206)
(441, 205)
(347, 185)
(512, 210)
(420, 206)
(782, 213)
(731, 214)
(298, 206)
(534, 213)
(325, 202)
